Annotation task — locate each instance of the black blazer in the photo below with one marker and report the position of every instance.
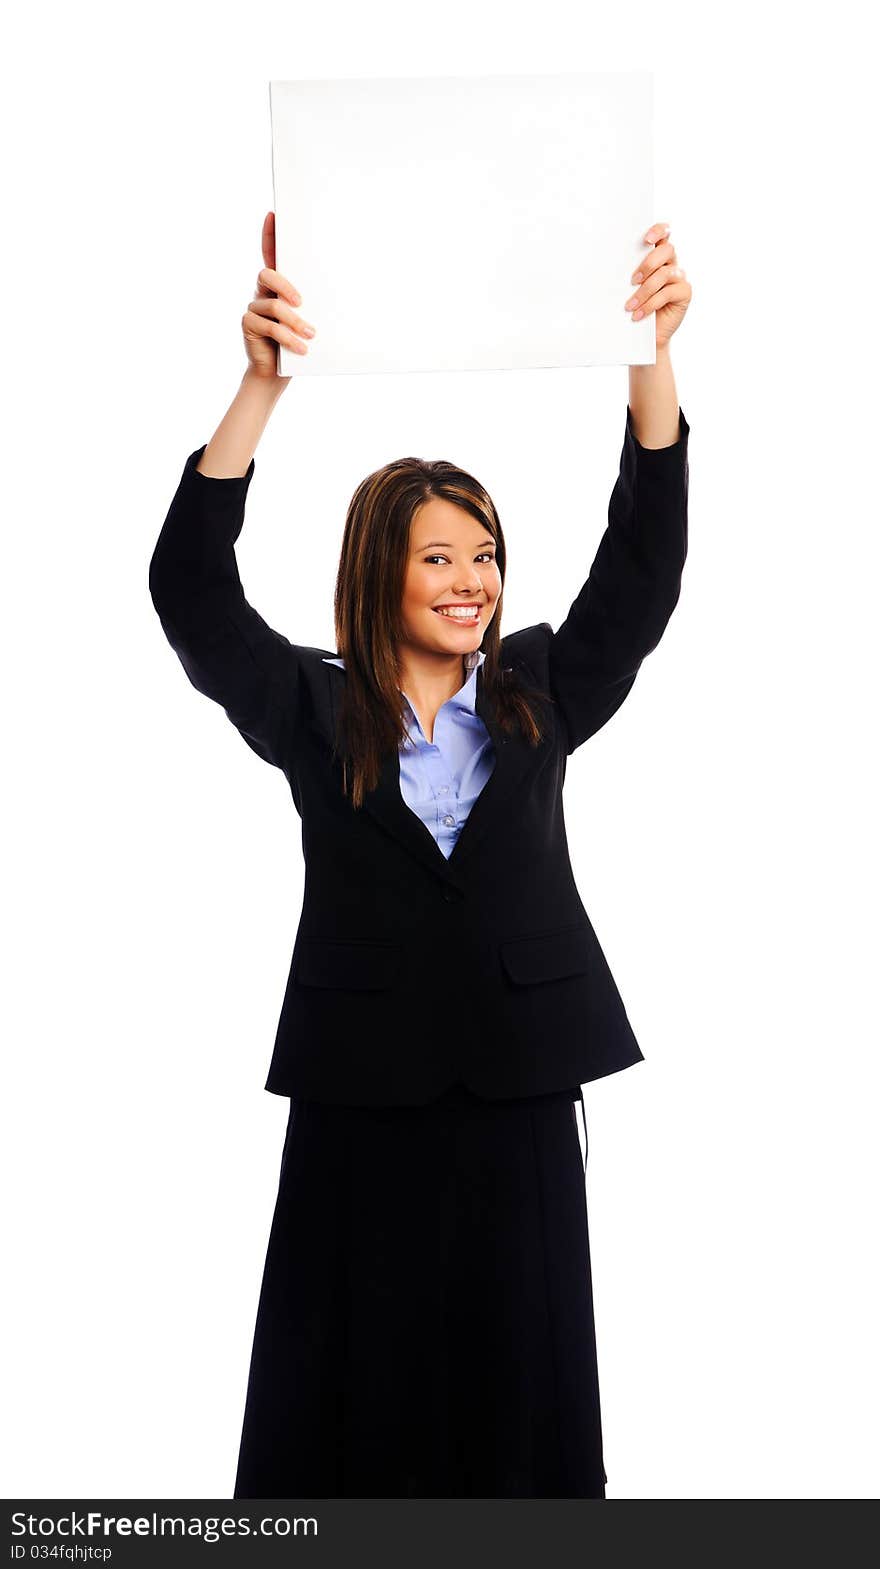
(385, 915)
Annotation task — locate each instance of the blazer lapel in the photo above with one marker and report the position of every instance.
(513, 756)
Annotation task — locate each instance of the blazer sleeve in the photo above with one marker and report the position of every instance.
(634, 584)
(227, 650)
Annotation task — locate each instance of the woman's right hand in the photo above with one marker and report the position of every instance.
(271, 318)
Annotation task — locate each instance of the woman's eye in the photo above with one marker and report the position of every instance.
(485, 554)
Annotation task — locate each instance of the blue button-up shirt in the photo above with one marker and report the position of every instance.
(440, 780)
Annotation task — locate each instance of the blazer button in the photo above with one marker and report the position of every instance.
(449, 894)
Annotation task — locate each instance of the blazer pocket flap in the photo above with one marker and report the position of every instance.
(361, 966)
(549, 957)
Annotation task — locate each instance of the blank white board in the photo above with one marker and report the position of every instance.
(464, 222)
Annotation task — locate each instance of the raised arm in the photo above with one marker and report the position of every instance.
(227, 650)
(633, 586)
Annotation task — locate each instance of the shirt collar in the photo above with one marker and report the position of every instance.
(466, 697)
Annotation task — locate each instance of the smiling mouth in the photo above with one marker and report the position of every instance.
(467, 618)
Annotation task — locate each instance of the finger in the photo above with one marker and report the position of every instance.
(269, 280)
(283, 313)
(269, 239)
(650, 287)
(660, 255)
(262, 327)
(667, 296)
(657, 231)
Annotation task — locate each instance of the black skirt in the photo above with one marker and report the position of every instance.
(425, 1323)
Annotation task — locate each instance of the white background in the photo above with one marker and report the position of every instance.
(722, 825)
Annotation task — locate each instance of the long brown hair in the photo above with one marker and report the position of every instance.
(367, 613)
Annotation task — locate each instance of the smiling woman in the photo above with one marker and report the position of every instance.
(425, 1323)
(419, 587)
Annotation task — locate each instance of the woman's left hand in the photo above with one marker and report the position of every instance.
(663, 287)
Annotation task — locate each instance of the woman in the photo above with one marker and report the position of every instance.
(425, 1324)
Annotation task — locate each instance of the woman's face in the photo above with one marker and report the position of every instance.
(451, 563)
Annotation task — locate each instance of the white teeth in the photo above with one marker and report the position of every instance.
(461, 615)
